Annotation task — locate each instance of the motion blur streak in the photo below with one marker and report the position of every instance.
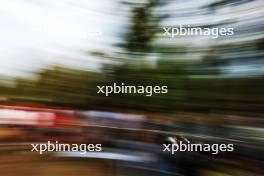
(54, 54)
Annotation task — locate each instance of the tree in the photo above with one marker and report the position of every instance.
(143, 28)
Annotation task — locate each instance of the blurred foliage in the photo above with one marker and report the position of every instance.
(143, 27)
(77, 88)
(56, 85)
